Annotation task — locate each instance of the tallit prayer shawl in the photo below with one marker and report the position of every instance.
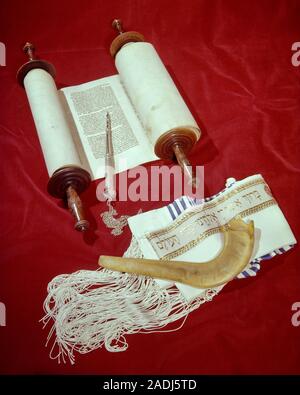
(91, 309)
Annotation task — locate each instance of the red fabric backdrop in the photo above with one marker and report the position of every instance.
(232, 63)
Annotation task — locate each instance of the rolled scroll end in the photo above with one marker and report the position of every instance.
(123, 37)
(29, 49)
(33, 63)
(67, 183)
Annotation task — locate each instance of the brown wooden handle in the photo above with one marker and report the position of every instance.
(185, 165)
(76, 208)
(66, 183)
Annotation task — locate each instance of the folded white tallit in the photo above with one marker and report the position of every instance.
(187, 229)
(91, 309)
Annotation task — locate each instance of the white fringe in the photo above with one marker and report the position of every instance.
(89, 309)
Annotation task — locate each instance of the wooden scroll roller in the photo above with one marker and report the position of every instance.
(67, 177)
(170, 143)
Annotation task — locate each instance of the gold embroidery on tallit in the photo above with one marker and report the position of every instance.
(196, 210)
(215, 230)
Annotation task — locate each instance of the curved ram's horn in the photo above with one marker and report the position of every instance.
(236, 253)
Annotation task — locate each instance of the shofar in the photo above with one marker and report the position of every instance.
(235, 254)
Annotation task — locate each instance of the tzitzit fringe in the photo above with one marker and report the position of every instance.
(90, 309)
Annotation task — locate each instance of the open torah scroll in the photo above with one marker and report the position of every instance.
(142, 100)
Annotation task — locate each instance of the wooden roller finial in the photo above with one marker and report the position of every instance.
(117, 24)
(33, 63)
(67, 183)
(123, 37)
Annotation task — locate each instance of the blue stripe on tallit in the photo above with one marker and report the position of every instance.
(176, 206)
(246, 274)
(268, 256)
(170, 208)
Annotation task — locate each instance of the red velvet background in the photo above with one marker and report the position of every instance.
(232, 63)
